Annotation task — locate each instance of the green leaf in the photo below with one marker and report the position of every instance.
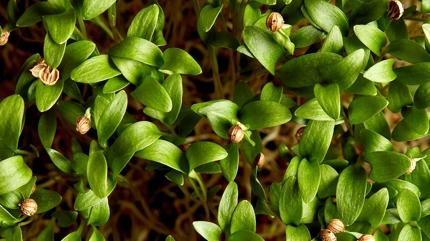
(60, 26)
(165, 153)
(270, 114)
(227, 205)
(410, 233)
(300, 233)
(11, 124)
(290, 202)
(409, 206)
(387, 165)
(144, 23)
(305, 70)
(87, 200)
(399, 96)
(262, 45)
(408, 50)
(60, 161)
(208, 230)
(308, 177)
(306, 36)
(170, 238)
(111, 117)
(373, 141)
(91, 9)
(333, 42)
(245, 235)
(230, 164)
(47, 233)
(350, 193)
(46, 128)
(414, 74)
(134, 138)
(15, 173)
(316, 140)
(243, 218)
(421, 178)
(6, 218)
(312, 110)
(422, 96)
(364, 107)
(173, 86)
(371, 36)
(53, 52)
(362, 86)
(115, 84)
(95, 69)
(96, 235)
(204, 152)
(73, 236)
(34, 13)
(414, 125)
(47, 96)
(75, 54)
(329, 99)
(326, 15)
(207, 17)
(178, 61)
(46, 199)
(328, 181)
(138, 49)
(381, 72)
(152, 94)
(374, 208)
(97, 173)
(134, 71)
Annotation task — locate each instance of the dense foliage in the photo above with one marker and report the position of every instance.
(349, 79)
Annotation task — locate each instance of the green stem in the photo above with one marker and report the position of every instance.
(217, 80)
(200, 189)
(82, 27)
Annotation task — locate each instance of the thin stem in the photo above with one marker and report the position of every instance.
(196, 6)
(82, 27)
(215, 71)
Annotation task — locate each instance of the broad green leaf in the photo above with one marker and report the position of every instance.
(312, 110)
(91, 9)
(333, 42)
(373, 141)
(316, 140)
(424, 224)
(53, 52)
(415, 124)
(15, 173)
(409, 206)
(387, 165)
(111, 117)
(243, 218)
(144, 23)
(329, 99)
(60, 26)
(362, 86)
(87, 200)
(300, 233)
(308, 177)
(94, 70)
(11, 124)
(422, 96)
(178, 61)
(305, 70)
(138, 49)
(371, 36)
(46, 128)
(251, 15)
(165, 153)
(364, 107)
(350, 193)
(207, 17)
(270, 114)
(99, 214)
(97, 173)
(245, 235)
(414, 74)
(75, 54)
(134, 138)
(59, 160)
(47, 233)
(326, 15)
(381, 72)
(328, 181)
(208, 230)
(306, 36)
(6, 218)
(399, 96)
(410, 233)
(230, 164)
(290, 202)
(227, 206)
(204, 152)
(47, 96)
(96, 235)
(34, 13)
(73, 236)
(13, 233)
(421, 178)
(262, 45)
(115, 84)
(152, 94)
(132, 70)
(374, 208)
(408, 50)
(378, 124)
(270, 92)
(11, 200)
(173, 86)
(46, 199)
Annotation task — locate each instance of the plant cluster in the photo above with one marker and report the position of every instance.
(351, 74)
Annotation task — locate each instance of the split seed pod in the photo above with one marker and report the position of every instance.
(236, 133)
(260, 159)
(4, 38)
(50, 77)
(395, 9)
(327, 235)
(336, 226)
(366, 237)
(83, 124)
(275, 21)
(36, 71)
(28, 207)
